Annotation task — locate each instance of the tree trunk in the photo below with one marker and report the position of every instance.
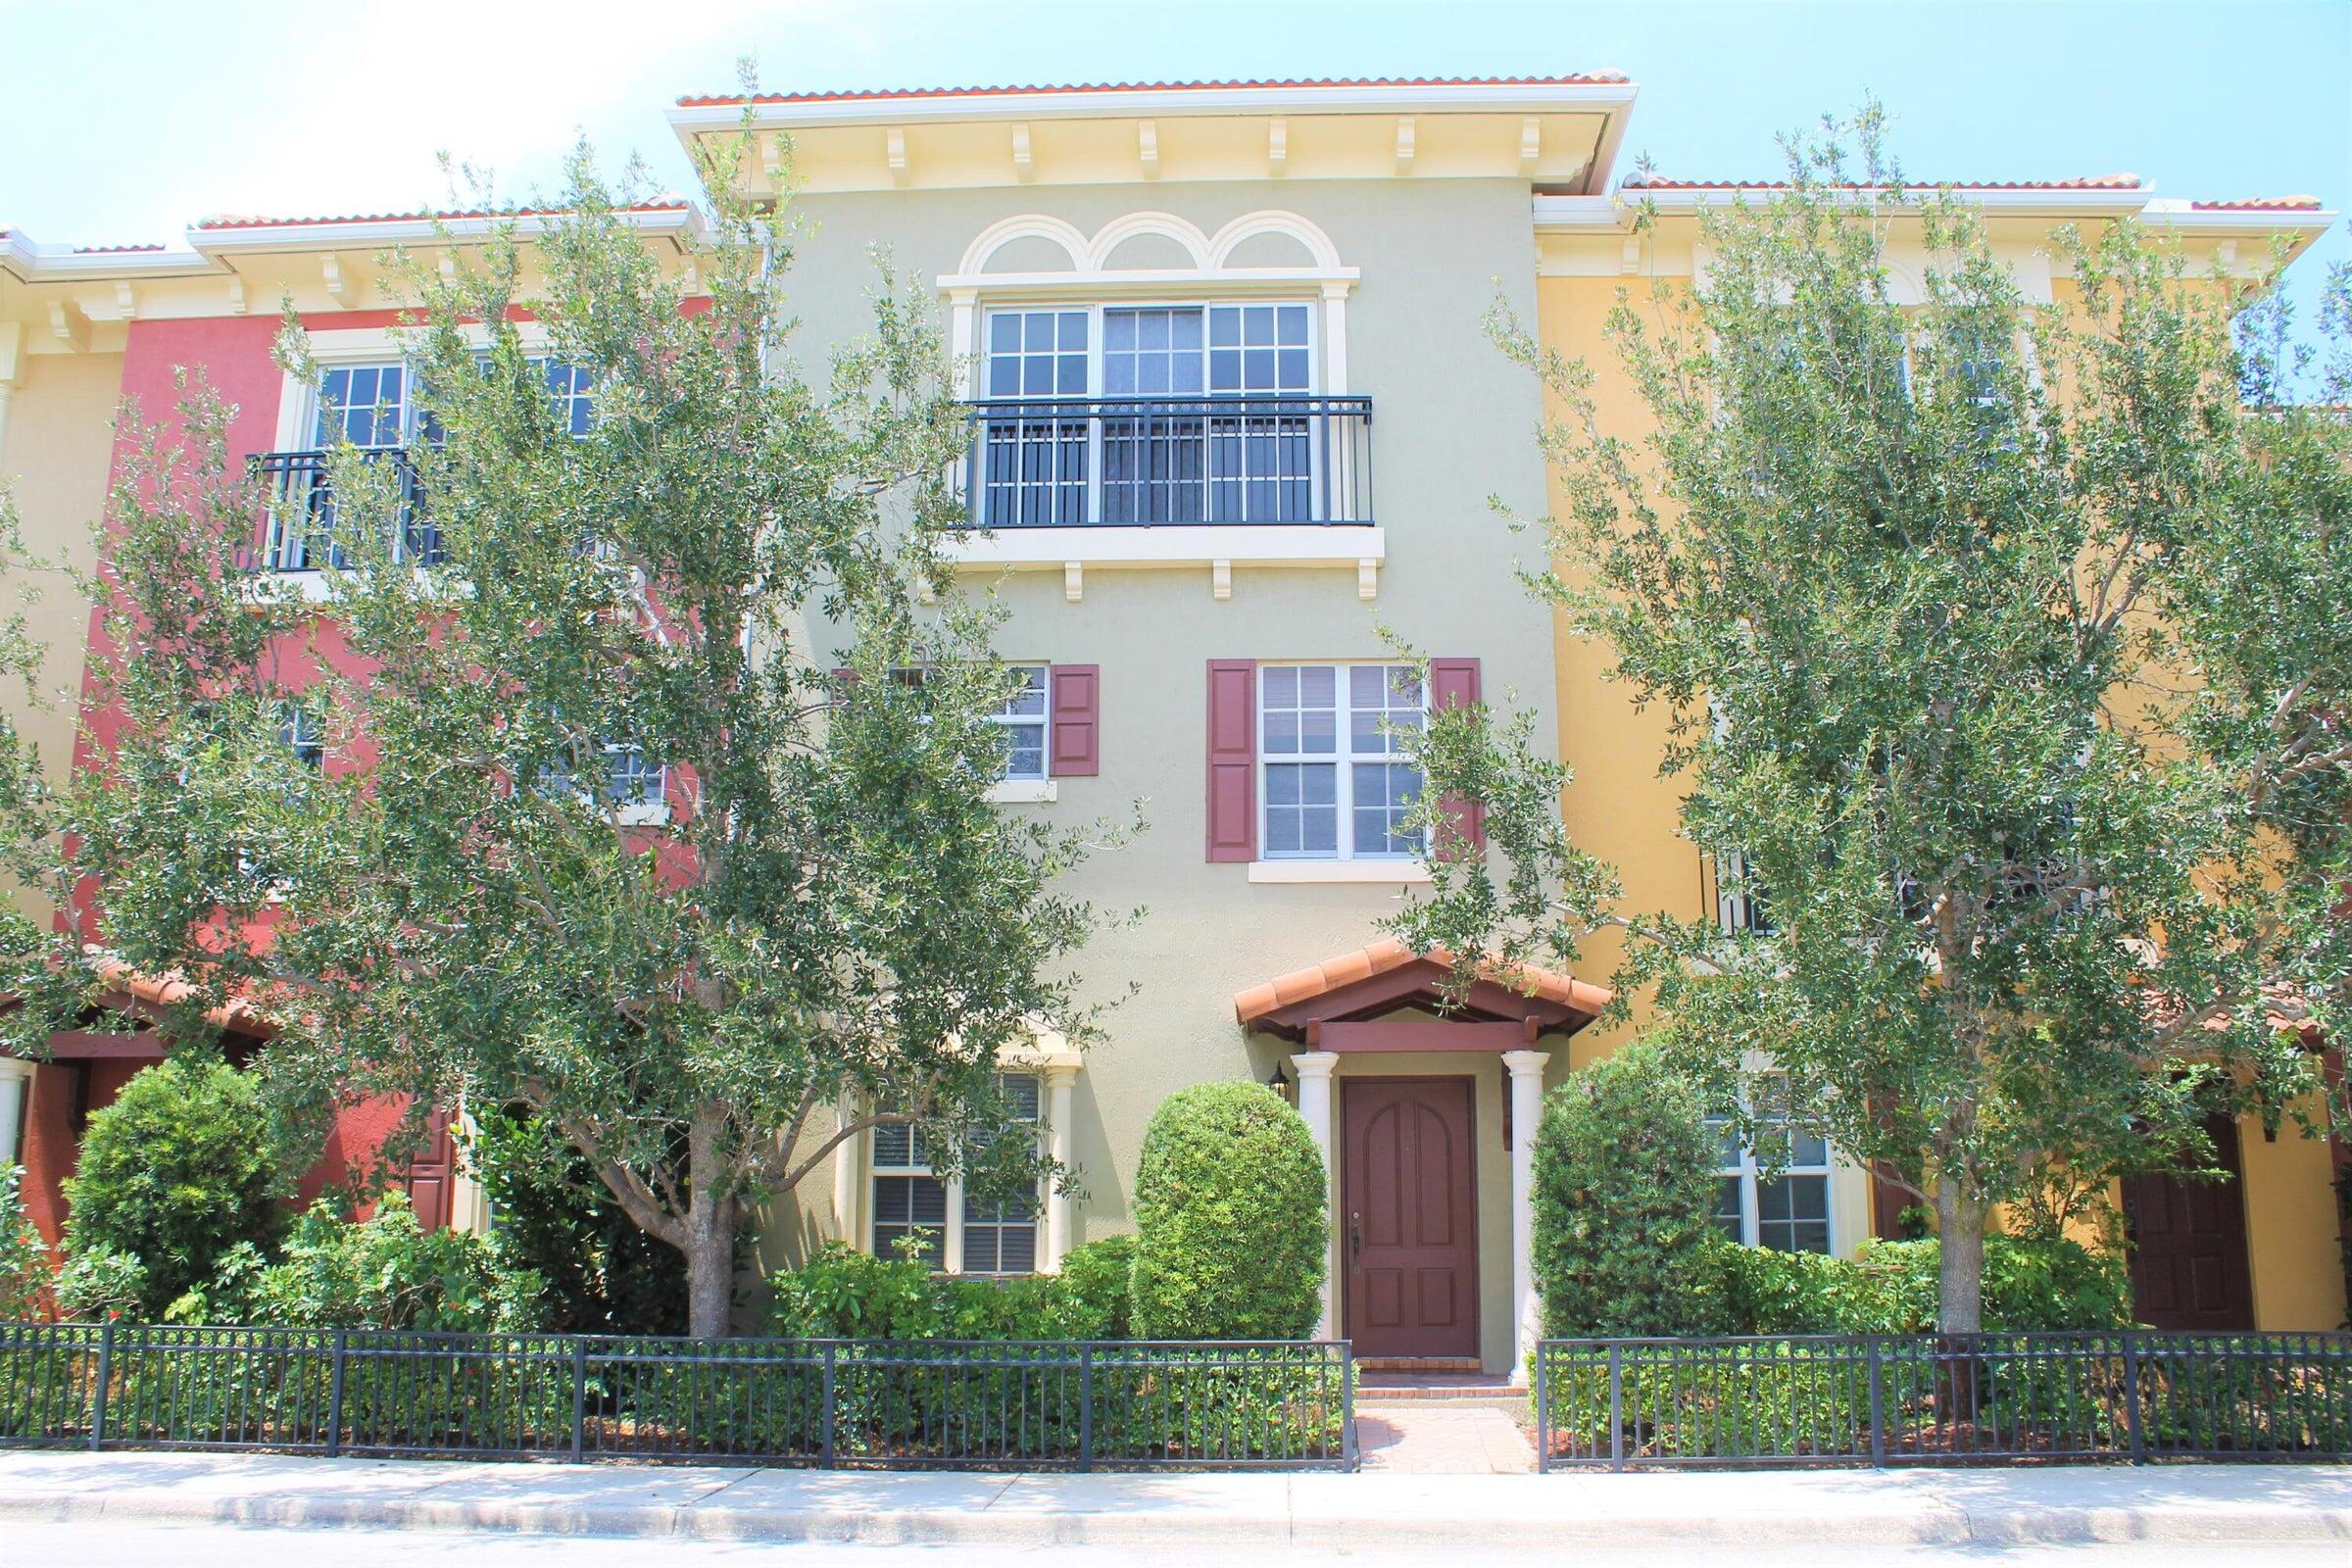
(709, 1279)
(1960, 1281)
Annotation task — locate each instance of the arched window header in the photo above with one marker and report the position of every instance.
(1255, 249)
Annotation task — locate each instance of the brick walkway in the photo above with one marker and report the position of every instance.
(1441, 1439)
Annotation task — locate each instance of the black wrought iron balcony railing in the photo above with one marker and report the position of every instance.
(304, 530)
(1169, 461)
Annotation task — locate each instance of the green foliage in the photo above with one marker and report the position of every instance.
(2026, 909)
(843, 1294)
(1625, 1199)
(25, 1266)
(604, 1274)
(176, 1172)
(1232, 1234)
(828, 909)
(383, 1272)
(1101, 1278)
(101, 1283)
(2030, 1285)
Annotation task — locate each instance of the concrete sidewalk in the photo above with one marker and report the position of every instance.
(1854, 1508)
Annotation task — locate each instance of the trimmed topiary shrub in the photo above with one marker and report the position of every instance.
(1626, 1241)
(2032, 1285)
(176, 1172)
(1100, 1278)
(1232, 1234)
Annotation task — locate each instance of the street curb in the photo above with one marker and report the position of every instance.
(1932, 1524)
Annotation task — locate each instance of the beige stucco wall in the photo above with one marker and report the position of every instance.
(1453, 422)
(54, 455)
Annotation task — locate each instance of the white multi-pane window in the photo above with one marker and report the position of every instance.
(1739, 903)
(1023, 718)
(1788, 1213)
(632, 784)
(1338, 783)
(1149, 414)
(571, 390)
(365, 404)
(909, 1199)
(1000, 1235)
(300, 731)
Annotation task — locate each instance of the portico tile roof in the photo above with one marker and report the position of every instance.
(223, 220)
(1349, 968)
(2078, 182)
(894, 95)
(2260, 203)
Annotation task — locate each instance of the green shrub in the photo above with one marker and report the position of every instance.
(383, 1272)
(25, 1271)
(604, 1273)
(2030, 1285)
(1100, 1278)
(100, 1282)
(174, 1173)
(1231, 1236)
(1626, 1241)
(841, 1294)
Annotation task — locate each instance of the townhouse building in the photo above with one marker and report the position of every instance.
(1237, 438)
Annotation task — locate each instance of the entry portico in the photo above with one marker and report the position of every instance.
(1424, 1103)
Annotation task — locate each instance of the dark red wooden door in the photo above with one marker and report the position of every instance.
(429, 1173)
(1410, 1242)
(2188, 1245)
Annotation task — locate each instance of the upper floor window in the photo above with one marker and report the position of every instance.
(365, 404)
(631, 784)
(303, 735)
(1163, 413)
(1338, 780)
(1023, 718)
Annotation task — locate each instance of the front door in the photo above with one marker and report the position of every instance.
(2189, 1243)
(1410, 1242)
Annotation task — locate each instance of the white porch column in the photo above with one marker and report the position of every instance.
(1059, 1080)
(1314, 1069)
(1526, 1109)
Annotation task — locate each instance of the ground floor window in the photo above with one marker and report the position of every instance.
(952, 1229)
(1788, 1213)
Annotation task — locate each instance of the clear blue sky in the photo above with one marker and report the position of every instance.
(125, 120)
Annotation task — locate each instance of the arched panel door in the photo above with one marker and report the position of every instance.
(1409, 1220)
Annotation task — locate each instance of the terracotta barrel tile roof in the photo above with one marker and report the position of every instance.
(2260, 203)
(892, 95)
(226, 221)
(2079, 182)
(163, 991)
(1349, 968)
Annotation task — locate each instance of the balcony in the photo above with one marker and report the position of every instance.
(302, 532)
(1245, 461)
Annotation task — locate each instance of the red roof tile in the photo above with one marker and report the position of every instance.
(1300, 985)
(2084, 183)
(115, 250)
(891, 94)
(241, 221)
(2260, 203)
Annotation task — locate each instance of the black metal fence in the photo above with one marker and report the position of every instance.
(1169, 461)
(831, 1404)
(305, 531)
(1959, 1398)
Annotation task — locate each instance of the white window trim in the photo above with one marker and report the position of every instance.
(1751, 1210)
(950, 1245)
(1023, 792)
(1342, 759)
(1018, 789)
(12, 1132)
(1097, 306)
(298, 398)
(1305, 871)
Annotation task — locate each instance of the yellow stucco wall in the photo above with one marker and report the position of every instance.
(54, 455)
(2292, 1243)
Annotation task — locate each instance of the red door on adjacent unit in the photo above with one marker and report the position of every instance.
(2188, 1245)
(1409, 1241)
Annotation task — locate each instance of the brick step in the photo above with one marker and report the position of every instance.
(1492, 1393)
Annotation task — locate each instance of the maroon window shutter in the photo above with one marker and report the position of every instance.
(1076, 693)
(1232, 759)
(1453, 683)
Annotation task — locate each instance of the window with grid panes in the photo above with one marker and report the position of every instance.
(1000, 1235)
(1788, 1213)
(365, 404)
(1023, 720)
(1336, 783)
(907, 1200)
